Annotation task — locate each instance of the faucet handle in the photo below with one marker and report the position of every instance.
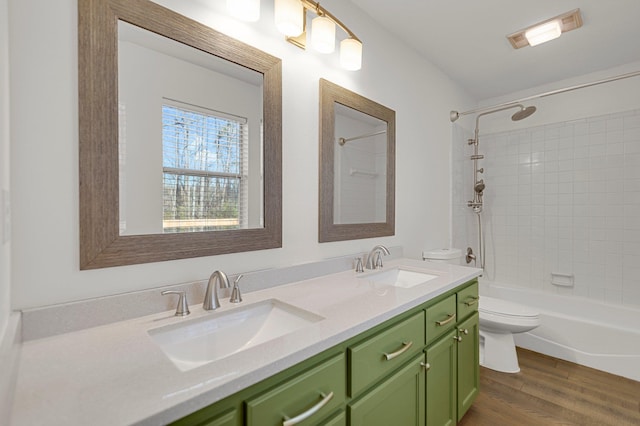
(182, 310)
(236, 297)
(359, 267)
(378, 260)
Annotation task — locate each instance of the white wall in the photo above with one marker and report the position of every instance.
(5, 236)
(44, 156)
(563, 192)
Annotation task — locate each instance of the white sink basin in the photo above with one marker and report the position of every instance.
(191, 344)
(399, 277)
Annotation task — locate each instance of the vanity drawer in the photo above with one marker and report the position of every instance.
(468, 301)
(378, 355)
(441, 318)
(318, 392)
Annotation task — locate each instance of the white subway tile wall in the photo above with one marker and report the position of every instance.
(561, 198)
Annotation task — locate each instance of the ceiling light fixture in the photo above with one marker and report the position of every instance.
(291, 20)
(546, 30)
(543, 33)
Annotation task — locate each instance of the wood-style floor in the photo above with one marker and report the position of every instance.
(550, 391)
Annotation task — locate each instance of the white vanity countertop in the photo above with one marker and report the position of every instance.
(116, 375)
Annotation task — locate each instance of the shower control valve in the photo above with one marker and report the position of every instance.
(470, 256)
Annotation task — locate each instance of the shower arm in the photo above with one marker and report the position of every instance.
(504, 108)
(476, 203)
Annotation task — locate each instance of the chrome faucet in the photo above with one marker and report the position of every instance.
(211, 301)
(236, 296)
(372, 262)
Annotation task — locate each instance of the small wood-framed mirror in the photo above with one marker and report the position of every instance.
(103, 243)
(357, 166)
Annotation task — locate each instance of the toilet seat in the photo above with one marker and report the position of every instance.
(501, 316)
(503, 308)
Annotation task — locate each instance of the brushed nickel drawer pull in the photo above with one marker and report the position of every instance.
(426, 366)
(310, 412)
(405, 347)
(450, 318)
(472, 302)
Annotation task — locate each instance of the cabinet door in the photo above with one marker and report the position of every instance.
(399, 400)
(468, 364)
(441, 381)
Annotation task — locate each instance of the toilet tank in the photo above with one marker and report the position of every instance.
(443, 255)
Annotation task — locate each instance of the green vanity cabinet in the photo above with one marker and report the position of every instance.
(442, 381)
(468, 362)
(453, 375)
(338, 420)
(309, 397)
(398, 400)
(228, 419)
(419, 368)
(467, 299)
(379, 355)
(453, 368)
(441, 317)
(218, 414)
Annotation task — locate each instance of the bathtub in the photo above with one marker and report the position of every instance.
(598, 335)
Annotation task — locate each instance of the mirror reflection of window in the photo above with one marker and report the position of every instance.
(211, 110)
(204, 178)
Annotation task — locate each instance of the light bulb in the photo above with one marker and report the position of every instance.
(289, 15)
(351, 54)
(323, 34)
(246, 10)
(543, 33)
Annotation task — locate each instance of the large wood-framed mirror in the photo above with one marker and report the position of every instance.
(111, 36)
(357, 166)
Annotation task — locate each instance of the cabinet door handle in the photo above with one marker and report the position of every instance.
(426, 366)
(450, 318)
(457, 338)
(472, 302)
(463, 330)
(310, 412)
(405, 347)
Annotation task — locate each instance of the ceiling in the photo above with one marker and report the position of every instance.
(467, 39)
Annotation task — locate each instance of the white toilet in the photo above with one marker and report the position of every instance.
(444, 255)
(499, 319)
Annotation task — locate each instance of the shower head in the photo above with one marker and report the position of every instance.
(523, 113)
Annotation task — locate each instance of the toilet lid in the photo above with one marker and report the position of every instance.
(494, 306)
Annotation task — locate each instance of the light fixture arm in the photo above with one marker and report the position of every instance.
(321, 11)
